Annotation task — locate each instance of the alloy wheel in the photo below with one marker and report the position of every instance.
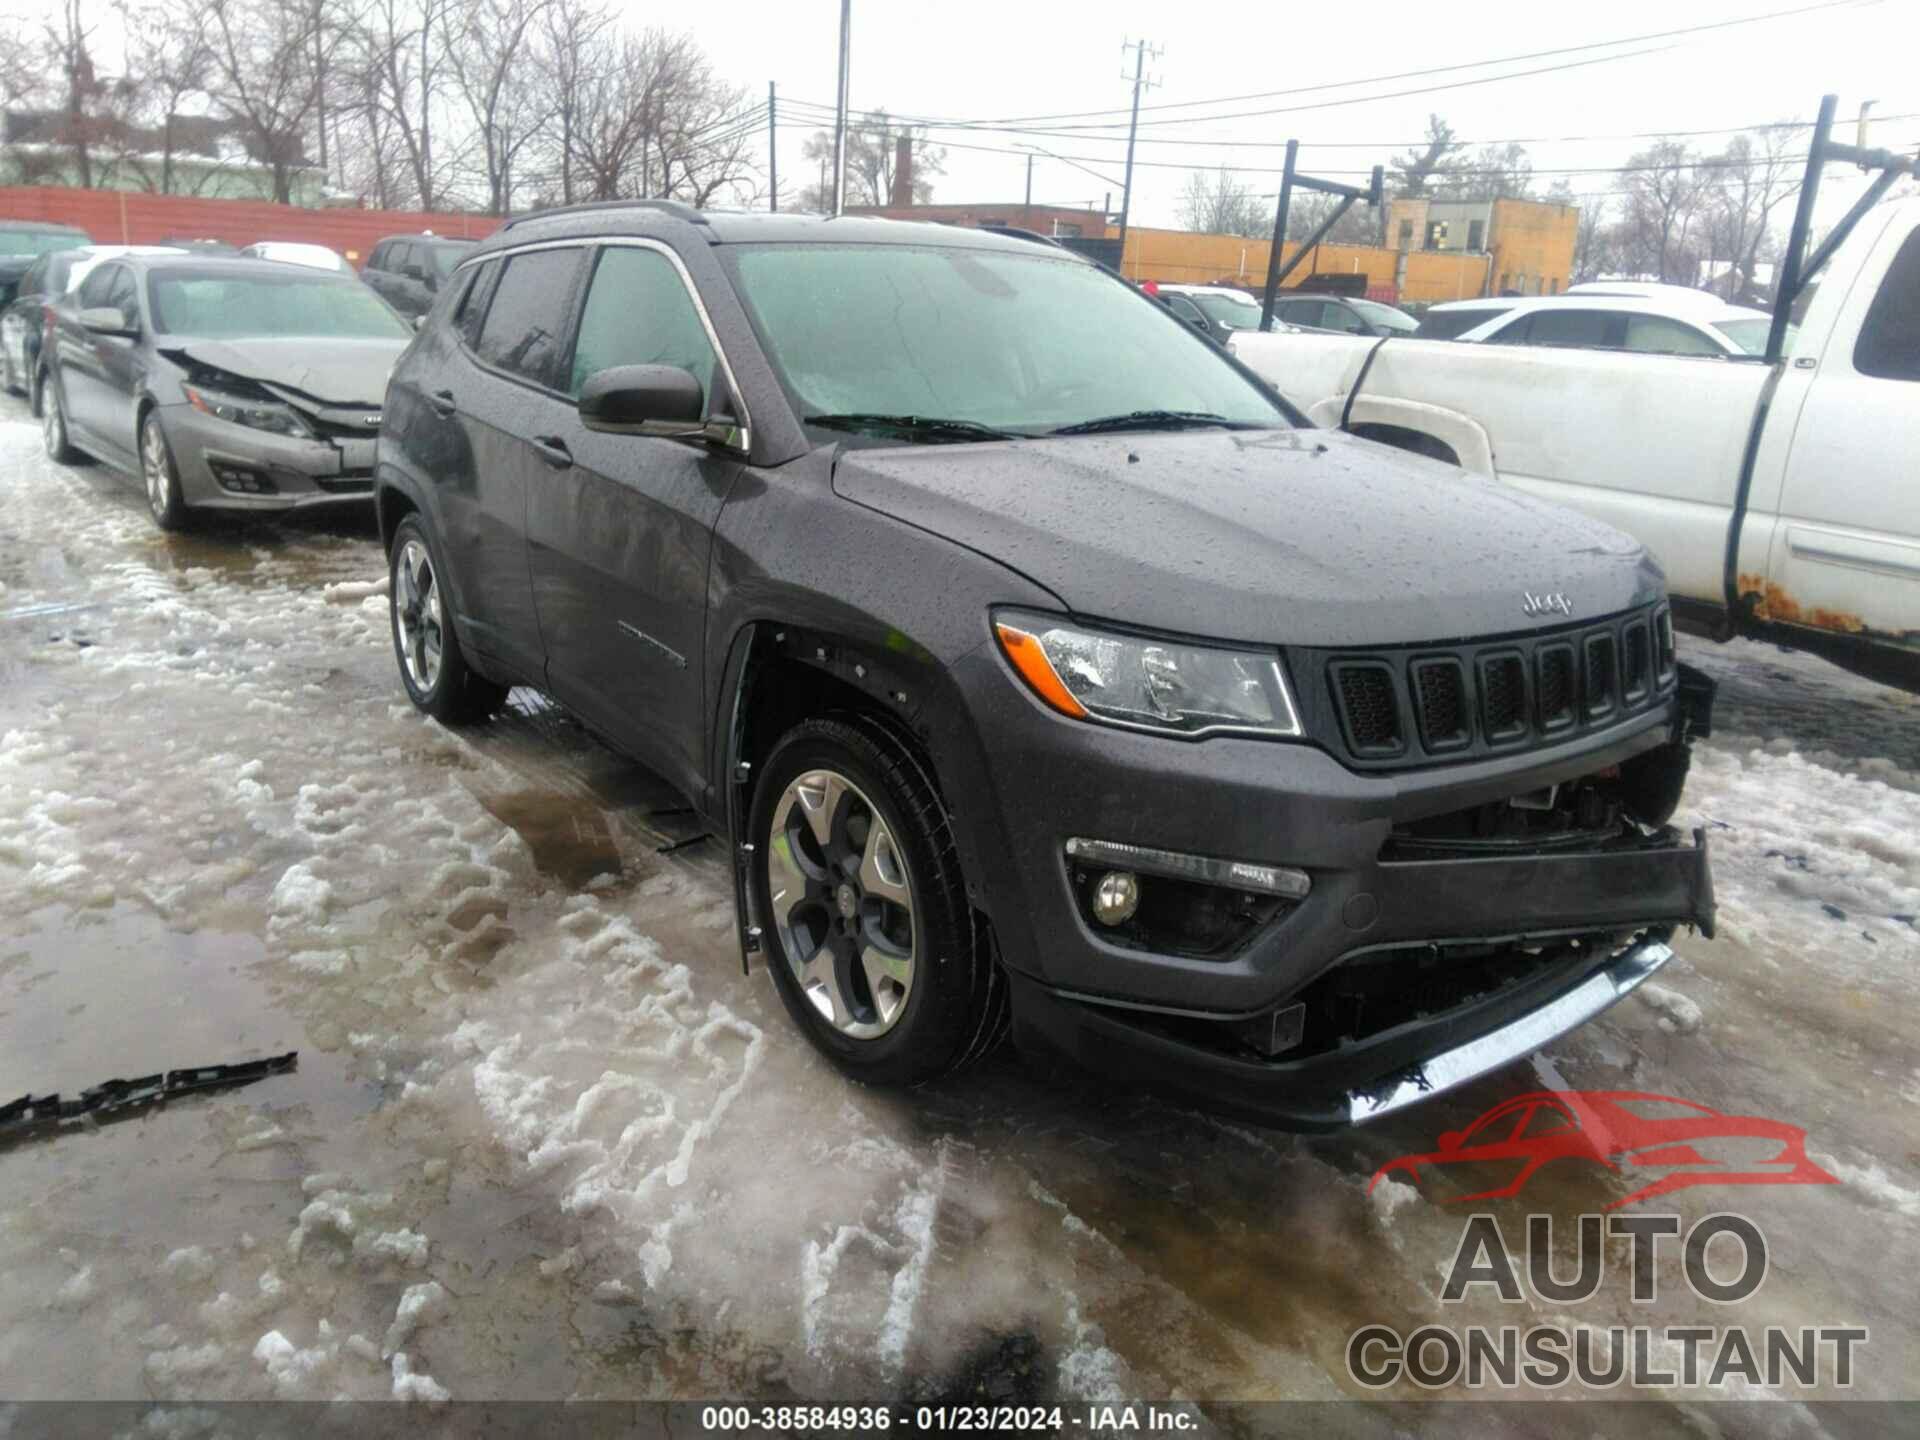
(416, 603)
(153, 462)
(842, 904)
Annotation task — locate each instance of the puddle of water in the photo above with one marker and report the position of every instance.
(91, 995)
(570, 841)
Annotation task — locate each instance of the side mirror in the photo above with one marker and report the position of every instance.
(416, 274)
(643, 400)
(106, 320)
(1451, 1140)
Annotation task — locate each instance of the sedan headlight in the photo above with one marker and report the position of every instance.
(1168, 685)
(268, 415)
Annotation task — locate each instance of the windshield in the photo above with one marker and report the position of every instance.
(1236, 312)
(218, 304)
(39, 242)
(1013, 342)
(1386, 315)
(1751, 335)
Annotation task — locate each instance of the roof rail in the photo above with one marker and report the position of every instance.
(679, 209)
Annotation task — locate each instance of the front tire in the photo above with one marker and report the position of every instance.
(168, 506)
(874, 949)
(433, 668)
(53, 424)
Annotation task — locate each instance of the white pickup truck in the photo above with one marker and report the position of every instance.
(1823, 552)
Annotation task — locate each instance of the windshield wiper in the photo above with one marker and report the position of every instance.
(1153, 420)
(922, 427)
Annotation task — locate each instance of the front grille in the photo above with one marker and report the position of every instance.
(1635, 663)
(1663, 641)
(1440, 697)
(1416, 705)
(1556, 687)
(1369, 707)
(1600, 692)
(1503, 697)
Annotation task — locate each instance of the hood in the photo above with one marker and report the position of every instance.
(1308, 537)
(335, 372)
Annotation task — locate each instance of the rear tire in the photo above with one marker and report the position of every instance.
(434, 670)
(53, 424)
(874, 949)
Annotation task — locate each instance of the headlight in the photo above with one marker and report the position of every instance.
(254, 414)
(1168, 685)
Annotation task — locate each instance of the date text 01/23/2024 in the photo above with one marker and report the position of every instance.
(1043, 1419)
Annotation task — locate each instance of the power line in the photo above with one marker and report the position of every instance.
(799, 114)
(1681, 33)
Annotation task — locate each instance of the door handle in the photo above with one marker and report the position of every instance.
(554, 451)
(442, 402)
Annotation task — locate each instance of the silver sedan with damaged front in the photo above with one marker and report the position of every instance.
(223, 384)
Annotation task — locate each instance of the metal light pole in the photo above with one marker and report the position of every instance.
(840, 109)
(773, 151)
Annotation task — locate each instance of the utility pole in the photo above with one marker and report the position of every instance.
(840, 110)
(773, 154)
(1140, 82)
(1029, 204)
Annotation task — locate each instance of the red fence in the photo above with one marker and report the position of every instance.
(119, 217)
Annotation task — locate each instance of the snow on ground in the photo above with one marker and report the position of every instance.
(545, 1138)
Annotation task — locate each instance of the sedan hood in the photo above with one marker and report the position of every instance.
(1309, 537)
(334, 372)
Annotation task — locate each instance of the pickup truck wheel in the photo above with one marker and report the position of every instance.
(873, 946)
(432, 667)
(53, 424)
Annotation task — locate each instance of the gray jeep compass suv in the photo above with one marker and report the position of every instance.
(1039, 665)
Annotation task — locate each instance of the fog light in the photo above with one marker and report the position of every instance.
(1116, 897)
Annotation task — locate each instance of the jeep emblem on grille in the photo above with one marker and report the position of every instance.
(1553, 602)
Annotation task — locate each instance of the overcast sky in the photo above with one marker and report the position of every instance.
(995, 59)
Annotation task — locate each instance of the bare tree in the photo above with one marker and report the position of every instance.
(872, 144)
(405, 44)
(570, 43)
(1412, 169)
(706, 141)
(1665, 188)
(264, 79)
(1751, 178)
(170, 57)
(1493, 172)
(1215, 203)
(87, 102)
(1307, 210)
(491, 60)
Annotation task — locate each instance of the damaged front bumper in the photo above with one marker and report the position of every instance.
(1412, 953)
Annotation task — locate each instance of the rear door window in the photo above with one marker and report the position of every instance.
(1657, 335)
(638, 312)
(1339, 317)
(1447, 324)
(1889, 344)
(1590, 328)
(527, 319)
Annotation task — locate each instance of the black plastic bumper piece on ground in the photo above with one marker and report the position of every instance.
(120, 1099)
